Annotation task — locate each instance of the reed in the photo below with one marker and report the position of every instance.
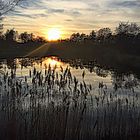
(55, 105)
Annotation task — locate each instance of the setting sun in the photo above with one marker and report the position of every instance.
(54, 34)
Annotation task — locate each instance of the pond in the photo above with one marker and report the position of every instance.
(93, 73)
(87, 101)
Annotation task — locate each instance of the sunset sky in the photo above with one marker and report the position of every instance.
(69, 16)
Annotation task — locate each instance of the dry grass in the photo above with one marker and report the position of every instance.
(56, 106)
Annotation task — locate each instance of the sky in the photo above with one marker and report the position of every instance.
(70, 16)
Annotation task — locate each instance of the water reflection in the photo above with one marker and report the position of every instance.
(94, 72)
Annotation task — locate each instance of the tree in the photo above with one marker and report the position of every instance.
(75, 37)
(83, 37)
(7, 5)
(40, 39)
(127, 32)
(92, 35)
(104, 34)
(11, 35)
(128, 28)
(134, 29)
(26, 37)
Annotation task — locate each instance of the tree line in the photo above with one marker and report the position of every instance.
(25, 37)
(125, 33)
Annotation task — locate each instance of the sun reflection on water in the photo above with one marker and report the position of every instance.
(51, 61)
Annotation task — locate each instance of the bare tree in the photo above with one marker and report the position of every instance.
(5, 7)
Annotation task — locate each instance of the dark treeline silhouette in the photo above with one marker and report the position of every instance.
(12, 36)
(125, 33)
(13, 44)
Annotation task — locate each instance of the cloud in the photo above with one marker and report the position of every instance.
(72, 15)
(126, 4)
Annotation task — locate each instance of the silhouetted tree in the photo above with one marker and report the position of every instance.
(26, 37)
(104, 34)
(127, 32)
(40, 39)
(6, 6)
(92, 35)
(128, 28)
(75, 37)
(11, 35)
(83, 37)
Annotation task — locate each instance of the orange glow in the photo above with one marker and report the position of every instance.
(52, 62)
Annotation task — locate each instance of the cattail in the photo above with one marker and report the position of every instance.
(126, 101)
(61, 69)
(83, 74)
(30, 73)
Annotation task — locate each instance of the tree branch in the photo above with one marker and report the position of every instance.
(7, 5)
